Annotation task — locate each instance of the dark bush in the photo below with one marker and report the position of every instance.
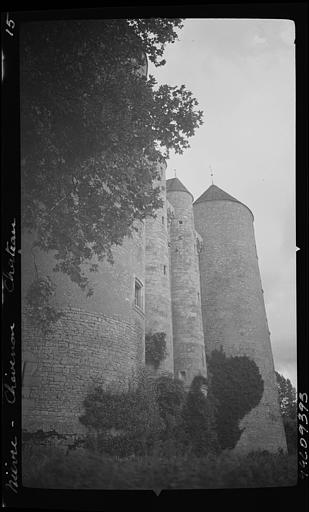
(142, 420)
(170, 396)
(104, 410)
(237, 387)
(199, 418)
(124, 422)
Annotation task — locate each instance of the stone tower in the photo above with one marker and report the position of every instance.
(158, 308)
(98, 341)
(189, 347)
(233, 309)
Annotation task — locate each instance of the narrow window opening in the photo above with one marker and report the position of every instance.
(164, 269)
(180, 222)
(23, 372)
(163, 221)
(138, 294)
(182, 374)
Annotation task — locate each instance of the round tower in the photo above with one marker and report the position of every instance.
(99, 340)
(189, 348)
(158, 309)
(233, 309)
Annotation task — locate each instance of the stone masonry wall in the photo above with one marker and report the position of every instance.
(234, 315)
(100, 339)
(85, 350)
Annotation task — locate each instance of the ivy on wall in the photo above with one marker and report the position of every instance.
(237, 387)
(41, 313)
(155, 348)
(170, 216)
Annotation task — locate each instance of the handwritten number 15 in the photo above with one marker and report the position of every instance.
(11, 24)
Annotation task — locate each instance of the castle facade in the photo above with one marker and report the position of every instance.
(191, 272)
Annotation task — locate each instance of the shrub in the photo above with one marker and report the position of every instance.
(170, 396)
(145, 419)
(104, 410)
(237, 387)
(125, 422)
(199, 418)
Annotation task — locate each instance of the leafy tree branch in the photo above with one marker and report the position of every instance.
(93, 128)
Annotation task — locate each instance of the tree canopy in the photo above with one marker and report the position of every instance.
(287, 396)
(93, 128)
(288, 409)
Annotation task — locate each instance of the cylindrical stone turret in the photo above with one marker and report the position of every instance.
(189, 348)
(158, 308)
(99, 340)
(233, 308)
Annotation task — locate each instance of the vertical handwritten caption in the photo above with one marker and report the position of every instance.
(303, 419)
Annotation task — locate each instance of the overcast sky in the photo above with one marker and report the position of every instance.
(242, 72)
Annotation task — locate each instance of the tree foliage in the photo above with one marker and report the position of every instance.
(237, 387)
(93, 128)
(170, 395)
(199, 417)
(288, 409)
(41, 313)
(134, 414)
(287, 396)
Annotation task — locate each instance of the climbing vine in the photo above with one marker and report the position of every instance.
(170, 216)
(40, 312)
(155, 348)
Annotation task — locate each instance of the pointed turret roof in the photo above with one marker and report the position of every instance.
(214, 193)
(175, 185)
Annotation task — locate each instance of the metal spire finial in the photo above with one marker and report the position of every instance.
(211, 174)
(175, 173)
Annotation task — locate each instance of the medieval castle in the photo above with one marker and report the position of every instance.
(191, 272)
